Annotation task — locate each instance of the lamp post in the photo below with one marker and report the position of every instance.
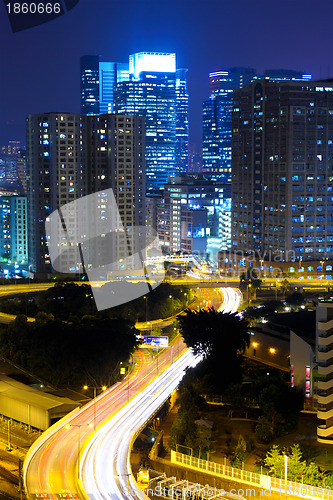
(261, 265)
(172, 303)
(9, 446)
(248, 294)
(322, 269)
(146, 308)
(78, 443)
(29, 267)
(285, 469)
(103, 387)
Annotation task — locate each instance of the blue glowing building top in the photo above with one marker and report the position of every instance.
(149, 85)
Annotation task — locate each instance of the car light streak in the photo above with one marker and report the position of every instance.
(51, 465)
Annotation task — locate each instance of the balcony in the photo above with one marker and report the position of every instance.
(325, 433)
(324, 385)
(324, 415)
(325, 340)
(325, 355)
(325, 326)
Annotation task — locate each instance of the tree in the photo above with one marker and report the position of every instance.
(274, 460)
(285, 287)
(249, 278)
(280, 405)
(240, 452)
(295, 300)
(297, 468)
(209, 332)
(220, 338)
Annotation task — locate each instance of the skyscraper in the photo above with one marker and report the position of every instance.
(71, 156)
(282, 170)
(194, 213)
(148, 85)
(217, 114)
(13, 228)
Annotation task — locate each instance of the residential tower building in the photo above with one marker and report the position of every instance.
(282, 157)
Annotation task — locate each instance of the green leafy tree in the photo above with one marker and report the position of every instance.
(220, 338)
(285, 287)
(274, 460)
(264, 430)
(209, 332)
(249, 277)
(295, 300)
(297, 468)
(280, 405)
(240, 452)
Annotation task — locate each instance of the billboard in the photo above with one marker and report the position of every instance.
(150, 341)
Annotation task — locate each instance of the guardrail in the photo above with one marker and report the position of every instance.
(262, 481)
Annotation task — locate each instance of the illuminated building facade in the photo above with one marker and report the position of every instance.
(13, 228)
(282, 170)
(148, 85)
(71, 156)
(194, 214)
(97, 81)
(217, 114)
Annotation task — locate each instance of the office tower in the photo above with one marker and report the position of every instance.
(193, 214)
(324, 358)
(118, 162)
(182, 125)
(97, 81)
(71, 156)
(283, 75)
(8, 162)
(12, 148)
(148, 85)
(283, 170)
(90, 88)
(13, 229)
(22, 171)
(57, 174)
(217, 114)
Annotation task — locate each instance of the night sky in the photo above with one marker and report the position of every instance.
(39, 68)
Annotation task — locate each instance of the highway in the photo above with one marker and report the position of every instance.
(74, 460)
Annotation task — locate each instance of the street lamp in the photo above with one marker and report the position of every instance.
(285, 468)
(103, 387)
(186, 298)
(248, 294)
(172, 303)
(146, 307)
(322, 268)
(29, 267)
(78, 443)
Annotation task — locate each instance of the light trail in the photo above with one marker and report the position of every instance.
(83, 464)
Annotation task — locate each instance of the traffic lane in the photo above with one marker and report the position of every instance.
(45, 473)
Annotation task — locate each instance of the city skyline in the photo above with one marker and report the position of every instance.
(45, 78)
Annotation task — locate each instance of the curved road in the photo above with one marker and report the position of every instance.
(71, 460)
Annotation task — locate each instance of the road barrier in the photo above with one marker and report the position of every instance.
(264, 482)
